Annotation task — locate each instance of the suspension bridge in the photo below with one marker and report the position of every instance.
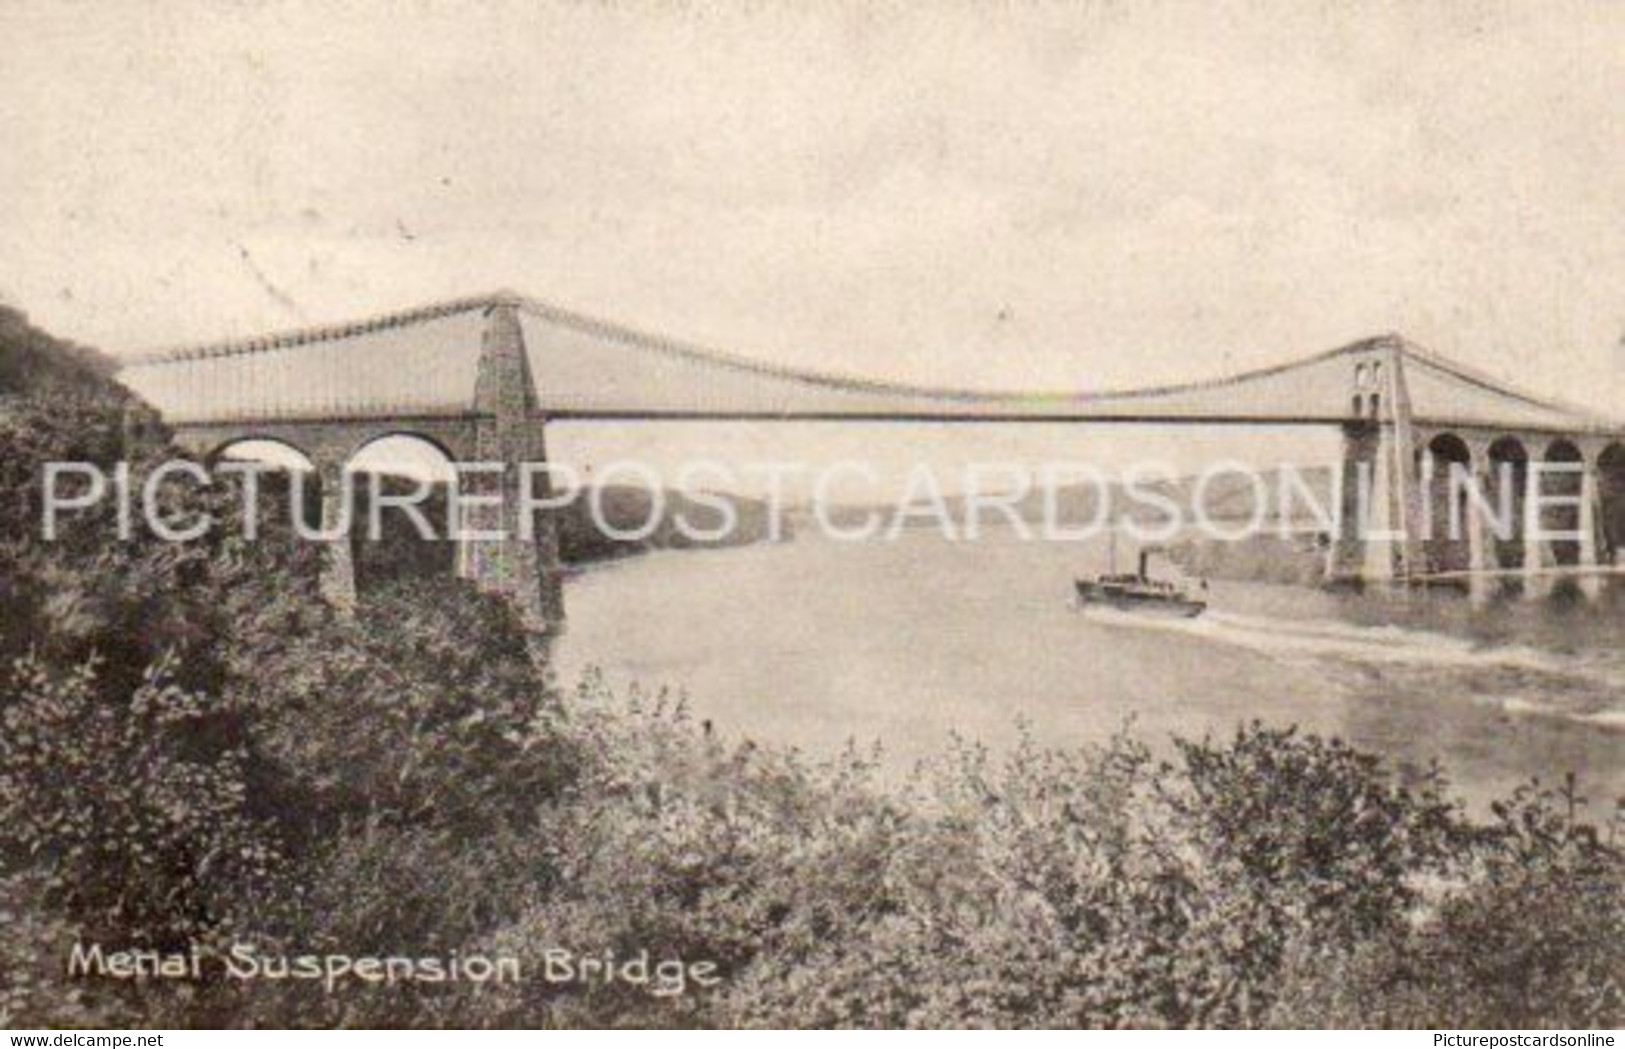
(479, 378)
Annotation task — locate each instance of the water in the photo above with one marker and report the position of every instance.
(814, 643)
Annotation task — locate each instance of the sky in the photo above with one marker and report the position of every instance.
(998, 194)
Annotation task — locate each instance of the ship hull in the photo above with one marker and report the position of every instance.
(1092, 595)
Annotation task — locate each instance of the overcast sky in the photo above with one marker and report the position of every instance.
(998, 194)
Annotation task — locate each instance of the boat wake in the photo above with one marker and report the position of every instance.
(1518, 680)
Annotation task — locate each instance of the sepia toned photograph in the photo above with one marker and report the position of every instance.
(526, 514)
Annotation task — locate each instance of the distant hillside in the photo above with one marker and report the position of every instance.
(33, 362)
(1228, 498)
(627, 509)
(399, 553)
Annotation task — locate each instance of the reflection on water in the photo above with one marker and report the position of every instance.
(814, 643)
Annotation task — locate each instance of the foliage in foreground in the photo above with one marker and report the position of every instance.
(1266, 879)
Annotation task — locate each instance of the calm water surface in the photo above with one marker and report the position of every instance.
(814, 643)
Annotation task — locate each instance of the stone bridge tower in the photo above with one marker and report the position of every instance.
(524, 564)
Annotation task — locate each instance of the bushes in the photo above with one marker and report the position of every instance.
(1302, 841)
(1268, 879)
(676, 844)
(1530, 936)
(424, 711)
(130, 813)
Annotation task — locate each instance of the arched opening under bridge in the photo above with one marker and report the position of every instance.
(401, 484)
(1446, 474)
(291, 477)
(1505, 488)
(1611, 489)
(1560, 485)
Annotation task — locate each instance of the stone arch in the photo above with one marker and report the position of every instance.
(1447, 464)
(1561, 482)
(1506, 485)
(1611, 492)
(274, 451)
(295, 475)
(377, 446)
(393, 542)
